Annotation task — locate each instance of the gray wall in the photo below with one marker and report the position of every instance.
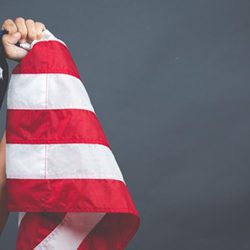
(170, 84)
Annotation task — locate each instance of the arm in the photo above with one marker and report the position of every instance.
(3, 192)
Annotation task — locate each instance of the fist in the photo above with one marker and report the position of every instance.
(21, 31)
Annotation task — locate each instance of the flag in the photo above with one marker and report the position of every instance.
(62, 176)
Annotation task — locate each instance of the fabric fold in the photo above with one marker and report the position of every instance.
(62, 176)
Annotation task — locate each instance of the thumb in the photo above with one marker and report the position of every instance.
(12, 39)
(11, 50)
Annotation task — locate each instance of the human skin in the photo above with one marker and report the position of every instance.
(3, 194)
(19, 30)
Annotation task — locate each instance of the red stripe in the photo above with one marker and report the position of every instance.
(54, 126)
(69, 195)
(35, 227)
(47, 57)
(112, 232)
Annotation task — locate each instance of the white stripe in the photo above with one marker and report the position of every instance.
(47, 91)
(20, 217)
(70, 233)
(55, 161)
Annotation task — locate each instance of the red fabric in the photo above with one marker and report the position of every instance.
(53, 57)
(46, 201)
(35, 227)
(71, 195)
(111, 233)
(54, 126)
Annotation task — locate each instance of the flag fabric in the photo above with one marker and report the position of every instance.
(62, 176)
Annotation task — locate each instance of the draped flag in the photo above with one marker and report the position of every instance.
(62, 176)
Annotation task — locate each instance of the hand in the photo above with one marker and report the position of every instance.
(20, 30)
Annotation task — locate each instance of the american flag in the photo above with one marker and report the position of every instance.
(62, 177)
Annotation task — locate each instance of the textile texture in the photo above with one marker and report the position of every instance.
(62, 176)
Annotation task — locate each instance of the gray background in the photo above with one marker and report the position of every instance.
(170, 84)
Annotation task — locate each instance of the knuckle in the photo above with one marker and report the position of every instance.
(31, 30)
(39, 24)
(39, 29)
(7, 21)
(9, 25)
(29, 21)
(20, 23)
(19, 20)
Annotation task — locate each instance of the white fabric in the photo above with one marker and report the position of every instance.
(45, 161)
(47, 91)
(70, 233)
(20, 217)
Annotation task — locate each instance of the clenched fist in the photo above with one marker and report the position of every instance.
(21, 31)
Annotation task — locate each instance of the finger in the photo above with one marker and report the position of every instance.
(10, 26)
(21, 27)
(11, 50)
(11, 39)
(31, 35)
(39, 29)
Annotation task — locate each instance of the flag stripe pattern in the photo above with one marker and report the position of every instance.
(87, 155)
(23, 129)
(62, 176)
(28, 92)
